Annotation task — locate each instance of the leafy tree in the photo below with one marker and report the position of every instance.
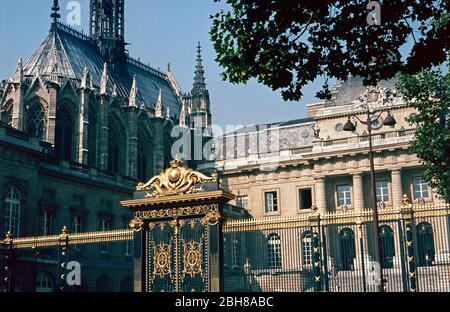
(429, 93)
(286, 44)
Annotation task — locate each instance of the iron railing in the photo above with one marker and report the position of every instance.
(105, 261)
(335, 251)
(309, 252)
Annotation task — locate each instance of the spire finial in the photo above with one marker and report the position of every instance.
(18, 75)
(55, 11)
(133, 93)
(169, 68)
(86, 79)
(183, 115)
(104, 81)
(158, 107)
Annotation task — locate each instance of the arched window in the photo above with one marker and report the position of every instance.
(142, 167)
(347, 249)
(387, 247)
(306, 248)
(145, 155)
(64, 133)
(37, 121)
(44, 283)
(274, 250)
(425, 244)
(116, 148)
(12, 211)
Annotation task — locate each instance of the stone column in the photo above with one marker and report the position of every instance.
(358, 192)
(18, 113)
(51, 113)
(397, 191)
(82, 152)
(321, 200)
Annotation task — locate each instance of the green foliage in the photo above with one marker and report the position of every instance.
(286, 44)
(429, 93)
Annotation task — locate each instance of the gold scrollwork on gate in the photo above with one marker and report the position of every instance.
(136, 224)
(213, 217)
(178, 179)
(192, 258)
(161, 260)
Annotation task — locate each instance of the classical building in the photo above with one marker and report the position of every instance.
(280, 171)
(82, 122)
(285, 168)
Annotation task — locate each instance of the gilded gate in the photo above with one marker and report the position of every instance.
(178, 227)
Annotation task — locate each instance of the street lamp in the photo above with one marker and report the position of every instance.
(248, 273)
(350, 127)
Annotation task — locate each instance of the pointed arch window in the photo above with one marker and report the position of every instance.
(37, 121)
(12, 211)
(142, 164)
(116, 147)
(144, 157)
(64, 133)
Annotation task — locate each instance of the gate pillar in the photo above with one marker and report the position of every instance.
(178, 223)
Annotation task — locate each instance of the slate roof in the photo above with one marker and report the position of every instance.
(67, 52)
(259, 127)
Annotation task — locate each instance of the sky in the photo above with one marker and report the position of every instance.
(159, 32)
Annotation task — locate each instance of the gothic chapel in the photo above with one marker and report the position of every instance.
(81, 111)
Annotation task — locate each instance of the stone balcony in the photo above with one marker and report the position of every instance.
(267, 160)
(396, 137)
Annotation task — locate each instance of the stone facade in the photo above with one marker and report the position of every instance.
(317, 157)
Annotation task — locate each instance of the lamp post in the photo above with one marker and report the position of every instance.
(248, 274)
(351, 127)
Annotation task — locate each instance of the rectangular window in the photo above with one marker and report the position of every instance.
(344, 196)
(271, 202)
(47, 223)
(305, 198)
(420, 188)
(382, 191)
(242, 202)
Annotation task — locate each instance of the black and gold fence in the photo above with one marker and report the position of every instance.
(335, 252)
(44, 264)
(307, 253)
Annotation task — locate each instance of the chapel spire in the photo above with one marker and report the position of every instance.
(199, 78)
(55, 11)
